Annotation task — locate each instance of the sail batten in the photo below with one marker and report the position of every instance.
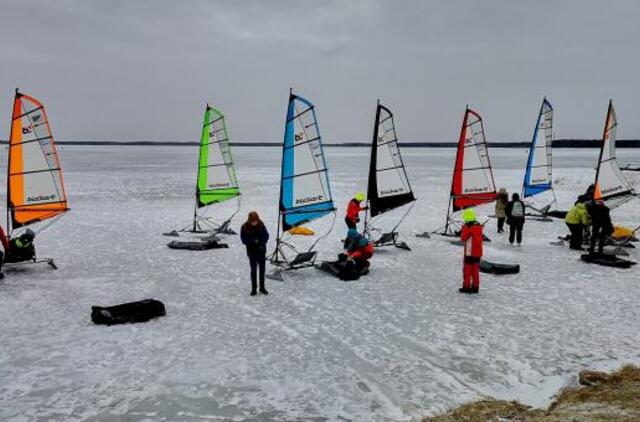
(611, 185)
(388, 185)
(305, 193)
(217, 180)
(538, 175)
(472, 183)
(35, 188)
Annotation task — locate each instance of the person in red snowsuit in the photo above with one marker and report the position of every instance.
(353, 210)
(5, 245)
(360, 253)
(471, 236)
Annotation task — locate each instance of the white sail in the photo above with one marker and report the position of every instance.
(611, 185)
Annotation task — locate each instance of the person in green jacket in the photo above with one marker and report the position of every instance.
(577, 219)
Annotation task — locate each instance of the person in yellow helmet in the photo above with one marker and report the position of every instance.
(576, 220)
(353, 210)
(471, 236)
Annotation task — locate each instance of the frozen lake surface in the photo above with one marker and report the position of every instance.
(395, 345)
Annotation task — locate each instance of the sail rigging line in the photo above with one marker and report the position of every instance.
(305, 191)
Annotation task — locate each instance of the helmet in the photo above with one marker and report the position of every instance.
(352, 234)
(28, 235)
(359, 196)
(469, 215)
(363, 241)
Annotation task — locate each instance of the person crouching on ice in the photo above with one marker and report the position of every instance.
(360, 253)
(353, 210)
(471, 237)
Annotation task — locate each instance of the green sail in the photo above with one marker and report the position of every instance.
(216, 176)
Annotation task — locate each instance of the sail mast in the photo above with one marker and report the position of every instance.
(371, 182)
(605, 131)
(13, 118)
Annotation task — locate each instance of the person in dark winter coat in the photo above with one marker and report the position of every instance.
(601, 226)
(501, 206)
(515, 218)
(254, 236)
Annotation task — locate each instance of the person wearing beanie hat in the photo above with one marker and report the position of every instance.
(471, 236)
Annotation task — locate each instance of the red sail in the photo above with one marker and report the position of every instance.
(473, 182)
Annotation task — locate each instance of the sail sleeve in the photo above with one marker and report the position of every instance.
(217, 180)
(388, 185)
(35, 186)
(473, 182)
(611, 185)
(538, 175)
(305, 194)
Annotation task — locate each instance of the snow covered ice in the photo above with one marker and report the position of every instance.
(395, 345)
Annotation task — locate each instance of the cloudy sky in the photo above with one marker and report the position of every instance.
(143, 70)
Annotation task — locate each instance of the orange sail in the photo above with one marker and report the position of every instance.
(35, 187)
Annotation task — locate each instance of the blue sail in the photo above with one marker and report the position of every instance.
(305, 194)
(538, 177)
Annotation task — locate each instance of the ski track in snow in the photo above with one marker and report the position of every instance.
(396, 345)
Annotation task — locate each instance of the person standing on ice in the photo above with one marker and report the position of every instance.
(353, 210)
(501, 206)
(576, 220)
(471, 236)
(515, 218)
(601, 226)
(254, 236)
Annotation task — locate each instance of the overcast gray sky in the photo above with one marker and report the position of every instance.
(143, 70)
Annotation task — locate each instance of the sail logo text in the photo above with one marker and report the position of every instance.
(41, 198)
(613, 189)
(474, 190)
(302, 201)
(219, 185)
(391, 191)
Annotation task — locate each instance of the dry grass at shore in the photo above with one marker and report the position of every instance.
(615, 397)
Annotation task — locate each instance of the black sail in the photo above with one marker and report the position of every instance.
(388, 186)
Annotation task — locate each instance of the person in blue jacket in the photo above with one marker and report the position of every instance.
(254, 236)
